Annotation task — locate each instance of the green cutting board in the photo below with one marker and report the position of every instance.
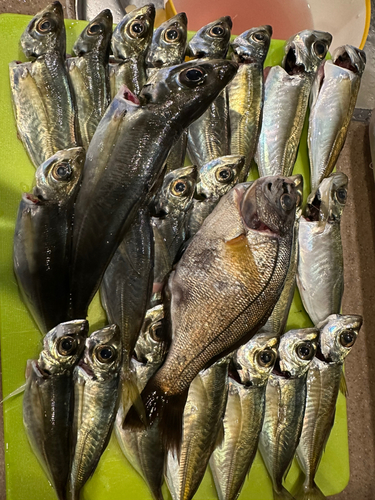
(20, 340)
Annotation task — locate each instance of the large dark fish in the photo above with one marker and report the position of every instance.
(42, 239)
(42, 100)
(96, 393)
(48, 400)
(337, 337)
(88, 73)
(222, 290)
(131, 40)
(125, 159)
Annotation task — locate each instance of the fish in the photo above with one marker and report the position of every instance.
(216, 178)
(126, 289)
(89, 74)
(202, 428)
(320, 273)
(246, 92)
(170, 208)
(143, 448)
(232, 459)
(276, 323)
(43, 104)
(208, 136)
(119, 177)
(131, 40)
(285, 405)
(337, 337)
(42, 238)
(222, 291)
(332, 103)
(96, 389)
(286, 95)
(48, 400)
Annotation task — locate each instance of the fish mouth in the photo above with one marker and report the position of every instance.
(244, 58)
(344, 61)
(321, 356)
(86, 368)
(128, 95)
(290, 63)
(43, 373)
(313, 208)
(248, 208)
(279, 372)
(30, 198)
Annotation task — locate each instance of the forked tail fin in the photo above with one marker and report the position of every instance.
(308, 492)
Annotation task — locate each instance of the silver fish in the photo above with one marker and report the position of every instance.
(332, 103)
(50, 127)
(246, 92)
(88, 73)
(42, 239)
(320, 266)
(202, 426)
(96, 395)
(232, 459)
(286, 94)
(48, 400)
(337, 337)
(131, 40)
(131, 163)
(285, 405)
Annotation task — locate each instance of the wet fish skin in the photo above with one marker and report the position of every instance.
(216, 178)
(48, 400)
(232, 459)
(89, 74)
(337, 337)
(286, 94)
(246, 92)
(212, 40)
(285, 405)
(96, 380)
(216, 286)
(202, 426)
(131, 40)
(320, 249)
(332, 103)
(42, 239)
(132, 167)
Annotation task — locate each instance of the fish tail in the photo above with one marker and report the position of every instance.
(130, 394)
(310, 492)
(283, 494)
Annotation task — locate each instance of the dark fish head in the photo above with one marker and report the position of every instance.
(328, 201)
(151, 343)
(338, 334)
(212, 40)
(269, 205)
(45, 33)
(63, 346)
(96, 36)
(252, 45)
(176, 193)
(102, 357)
(218, 176)
(296, 351)
(186, 90)
(132, 36)
(351, 58)
(255, 360)
(305, 51)
(168, 43)
(57, 179)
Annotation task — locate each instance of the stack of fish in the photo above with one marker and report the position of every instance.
(196, 268)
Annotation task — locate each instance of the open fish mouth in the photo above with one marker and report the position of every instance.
(313, 208)
(30, 198)
(86, 368)
(279, 372)
(128, 95)
(291, 66)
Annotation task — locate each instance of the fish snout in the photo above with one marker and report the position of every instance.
(281, 191)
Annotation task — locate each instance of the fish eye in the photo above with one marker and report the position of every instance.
(305, 351)
(258, 36)
(320, 49)
(45, 25)
(224, 174)
(341, 195)
(67, 346)
(156, 331)
(179, 188)
(192, 77)
(266, 358)
(105, 353)
(62, 172)
(172, 35)
(347, 338)
(217, 30)
(287, 202)
(94, 28)
(137, 27)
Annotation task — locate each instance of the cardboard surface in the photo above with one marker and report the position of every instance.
(20, 339)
